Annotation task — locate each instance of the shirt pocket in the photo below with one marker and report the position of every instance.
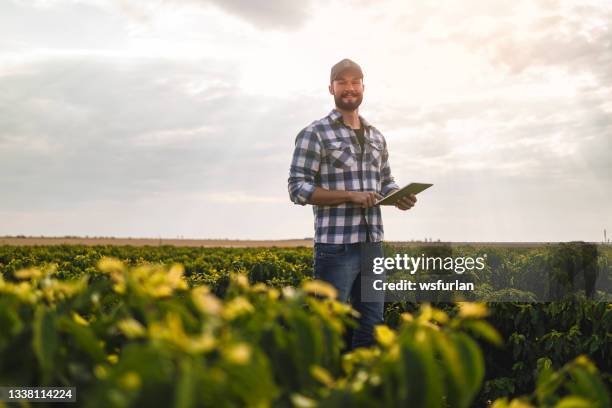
(375, 153)
(340, 155)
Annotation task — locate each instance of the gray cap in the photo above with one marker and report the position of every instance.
(343, 66)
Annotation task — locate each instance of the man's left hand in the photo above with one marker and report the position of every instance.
(407, 202)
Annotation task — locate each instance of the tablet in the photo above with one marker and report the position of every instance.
(412, 188)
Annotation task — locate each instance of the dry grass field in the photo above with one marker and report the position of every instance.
(208, 243)
(224, 243)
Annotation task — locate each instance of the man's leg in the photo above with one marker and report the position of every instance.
(371, 311)
(338, 264)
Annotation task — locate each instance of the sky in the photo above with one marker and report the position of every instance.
(177, 118)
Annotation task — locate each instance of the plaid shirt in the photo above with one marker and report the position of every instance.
(327, 154)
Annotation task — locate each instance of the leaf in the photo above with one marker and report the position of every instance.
(472, 360)
(384, 335)
(515, 403)
(322, 375)
(45, 341)
(320, 288)
(500, 403)
(131, 328)
(589, 385)
(83, 337)
(300, 401)
(485, 330)
(472, 310)
(415, 378)
(454, 376)
(433, 377)
(185, 388)
(574, 402)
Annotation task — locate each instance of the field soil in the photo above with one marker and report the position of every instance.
(224, 243)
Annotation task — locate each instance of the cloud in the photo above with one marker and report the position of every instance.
(171, 137)
(85, 128)
(564, 35)
(263, 14)
(84, 25)
(238, 197)
(176, 116)
(267, 13)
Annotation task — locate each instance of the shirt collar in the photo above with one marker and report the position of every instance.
(336, 116)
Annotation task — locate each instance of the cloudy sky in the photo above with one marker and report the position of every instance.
(178, 117)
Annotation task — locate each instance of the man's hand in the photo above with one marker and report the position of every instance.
(406, 202)
(364, 199)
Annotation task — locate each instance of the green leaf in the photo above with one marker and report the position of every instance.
(574, 402)
(500, 403)
(472, 361)
(185, 387)
(300, 401)
(84, 337)
(484, 330)
(45, 341)
(415, 378)
(455, 379)
(589, 385)
(432, 375)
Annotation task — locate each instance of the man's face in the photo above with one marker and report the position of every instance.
(347, 89)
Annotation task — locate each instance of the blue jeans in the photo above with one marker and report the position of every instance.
(340, 265)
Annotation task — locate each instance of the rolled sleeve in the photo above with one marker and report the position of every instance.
(304, 167)
(388, 183)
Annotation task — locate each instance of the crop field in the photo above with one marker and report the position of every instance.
(136, 326)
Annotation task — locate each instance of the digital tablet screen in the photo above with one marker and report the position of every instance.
(412, 188)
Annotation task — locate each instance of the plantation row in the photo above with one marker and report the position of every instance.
(526, 273)
(209, 334)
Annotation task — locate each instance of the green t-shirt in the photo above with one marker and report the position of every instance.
(360, 134)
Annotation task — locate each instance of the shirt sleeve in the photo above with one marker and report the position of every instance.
(388, 182)
(304, 166)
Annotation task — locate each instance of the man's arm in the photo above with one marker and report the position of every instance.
(364, 199)
(387, 181)
(304, 168)
(389, 185)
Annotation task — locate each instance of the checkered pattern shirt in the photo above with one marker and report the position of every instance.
(327, 154)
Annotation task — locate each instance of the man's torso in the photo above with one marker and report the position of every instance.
(346, 165)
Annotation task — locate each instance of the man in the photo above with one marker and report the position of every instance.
(340, 166)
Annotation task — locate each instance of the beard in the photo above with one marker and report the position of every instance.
(348, 105)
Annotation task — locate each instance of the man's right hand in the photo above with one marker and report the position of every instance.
(364, 199)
